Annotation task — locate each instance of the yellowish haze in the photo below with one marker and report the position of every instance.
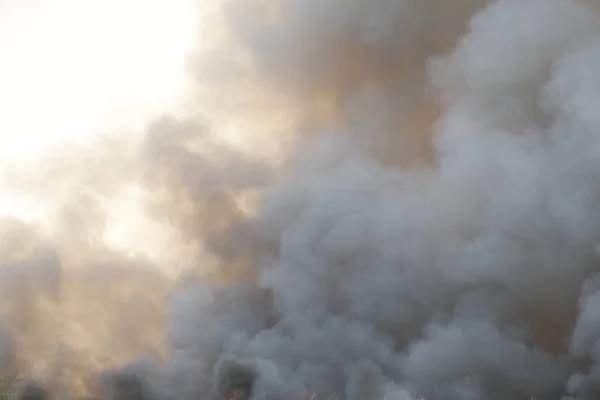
(73, 76)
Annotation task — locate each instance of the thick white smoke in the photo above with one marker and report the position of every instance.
(429, 226)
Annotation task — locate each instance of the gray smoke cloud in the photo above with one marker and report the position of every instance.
(413, 214)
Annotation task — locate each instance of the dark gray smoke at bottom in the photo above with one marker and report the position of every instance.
(475, 277)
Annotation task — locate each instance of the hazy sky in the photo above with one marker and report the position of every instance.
(69, 68)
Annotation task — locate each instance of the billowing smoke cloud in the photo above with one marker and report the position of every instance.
(410, 209)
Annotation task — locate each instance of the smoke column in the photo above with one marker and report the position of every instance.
(369, 199)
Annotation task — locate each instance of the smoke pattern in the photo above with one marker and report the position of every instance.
(370, 199)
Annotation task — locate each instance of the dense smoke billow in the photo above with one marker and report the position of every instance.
(410, 207)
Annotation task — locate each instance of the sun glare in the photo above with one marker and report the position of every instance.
(72, 69)
(69, 69)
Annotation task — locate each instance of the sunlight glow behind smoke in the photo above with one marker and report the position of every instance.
(71, 70)
(130, 230)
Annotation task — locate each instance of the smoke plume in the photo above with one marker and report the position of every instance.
(370, 199)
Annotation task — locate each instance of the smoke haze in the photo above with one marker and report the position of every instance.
(366, 199)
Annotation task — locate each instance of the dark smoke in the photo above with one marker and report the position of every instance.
(413, 210)
(31, 391)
